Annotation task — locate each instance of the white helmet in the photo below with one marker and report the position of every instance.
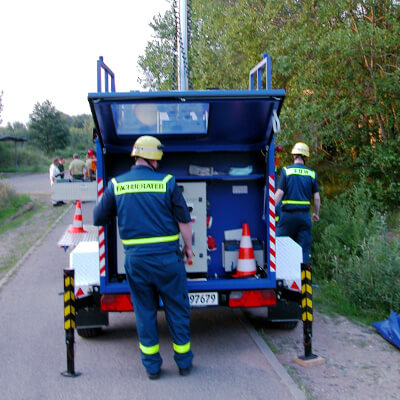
(147, 147)
(301, 149)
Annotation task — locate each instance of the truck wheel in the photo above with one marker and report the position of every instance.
(89, 332)
(288, 325)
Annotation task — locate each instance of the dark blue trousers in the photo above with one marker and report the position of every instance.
(162, 276)
(296, 225)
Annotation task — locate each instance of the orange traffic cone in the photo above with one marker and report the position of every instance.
(77, 226)
(246, 265)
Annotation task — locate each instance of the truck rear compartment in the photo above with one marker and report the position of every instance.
(219, 145)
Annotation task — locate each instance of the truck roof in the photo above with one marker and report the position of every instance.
(217, 120)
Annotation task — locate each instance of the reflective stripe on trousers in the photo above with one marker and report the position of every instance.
(149, 349)
(155, 239)
(181, 348)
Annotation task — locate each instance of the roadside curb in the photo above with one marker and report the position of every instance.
(6, 277)
(271, 358)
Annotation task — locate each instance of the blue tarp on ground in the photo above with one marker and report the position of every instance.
(390, 328)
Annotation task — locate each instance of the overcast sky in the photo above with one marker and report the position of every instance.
(49, 50)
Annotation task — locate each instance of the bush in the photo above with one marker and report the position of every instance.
(29, 158)
(80, 140)
(345, 221)
(10, 201)
(351, 247)
(7, 193)
(380, 164)
(372, 279)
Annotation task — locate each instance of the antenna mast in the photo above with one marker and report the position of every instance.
(182, 34)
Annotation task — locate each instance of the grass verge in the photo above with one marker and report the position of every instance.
(20, 234)
(331, 298)
(13, 207)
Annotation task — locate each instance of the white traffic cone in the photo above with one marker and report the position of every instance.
(246, 265)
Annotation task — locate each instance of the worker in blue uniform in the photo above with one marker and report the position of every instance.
(151, 212)
(296, 187)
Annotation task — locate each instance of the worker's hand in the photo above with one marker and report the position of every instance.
(187, 254)
(315, 217)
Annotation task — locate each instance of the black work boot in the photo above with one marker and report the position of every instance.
(185, 371)
(154, 376)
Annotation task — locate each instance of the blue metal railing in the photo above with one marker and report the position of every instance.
(108, 77)
(258, 69)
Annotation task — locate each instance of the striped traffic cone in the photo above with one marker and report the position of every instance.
(246, 265)
(77, 225)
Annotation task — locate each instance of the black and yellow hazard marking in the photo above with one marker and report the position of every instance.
(69, 321)
(69, 300)
(307, 316)
(306, 291)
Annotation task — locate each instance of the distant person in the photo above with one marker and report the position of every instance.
(61, 162)
(54, 173)
(77, 168)
(91, 164)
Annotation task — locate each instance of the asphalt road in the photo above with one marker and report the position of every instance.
(231, 360)
(30, 183)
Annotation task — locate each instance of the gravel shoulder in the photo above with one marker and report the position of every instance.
(359, 363)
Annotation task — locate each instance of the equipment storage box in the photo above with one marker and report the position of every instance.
(63, 190)
(84, 259)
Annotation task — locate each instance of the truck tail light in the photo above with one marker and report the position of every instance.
(116, 302)
(252, 298)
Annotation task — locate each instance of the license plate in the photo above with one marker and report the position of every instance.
(202, 299)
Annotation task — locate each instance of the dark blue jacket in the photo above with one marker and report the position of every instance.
(149, 206)
(298, 183)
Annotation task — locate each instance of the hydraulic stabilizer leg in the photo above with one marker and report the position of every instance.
(307, 310)
(307, 316)
(69, 322)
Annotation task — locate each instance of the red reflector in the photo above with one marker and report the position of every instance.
(116, 302)
(252, 298)
(294, 286)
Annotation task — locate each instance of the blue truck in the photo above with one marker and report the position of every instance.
(220, 146)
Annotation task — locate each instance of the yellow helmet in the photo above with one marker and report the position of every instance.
(302, 149)
(147, 147)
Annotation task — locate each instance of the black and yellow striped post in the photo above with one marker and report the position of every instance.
(307, 310)
(69, 321)
(309, 358)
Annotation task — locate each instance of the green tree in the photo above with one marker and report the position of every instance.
(17, 129)
(49, 129)
(159, 62)
(77, 121)
(81, 131)
(343, 86)
(339, 63)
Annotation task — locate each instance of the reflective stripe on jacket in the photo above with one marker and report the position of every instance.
(298, 183)
(144, 208)
(141, 186)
